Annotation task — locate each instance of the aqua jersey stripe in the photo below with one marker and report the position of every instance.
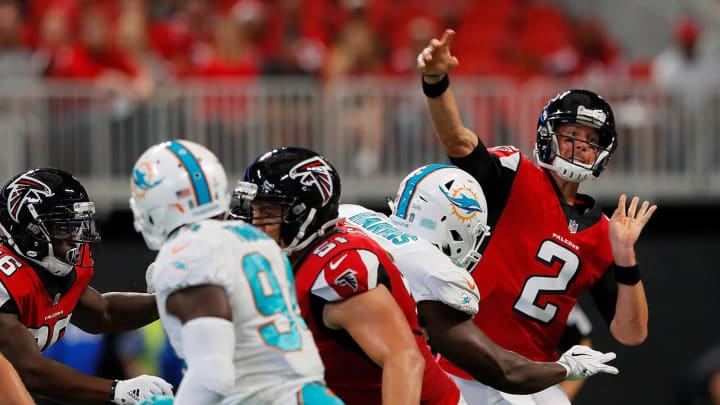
(197, 176)
(410, 187)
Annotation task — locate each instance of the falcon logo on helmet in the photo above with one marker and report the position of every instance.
(314, 172)
(25, 190)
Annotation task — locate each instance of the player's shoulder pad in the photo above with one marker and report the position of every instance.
(17, 274)
(509, 156)
(455, 288)
(189, 260)
(504, 150)
(348, 272)
(347, 210)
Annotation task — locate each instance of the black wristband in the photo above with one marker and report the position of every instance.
(434, 90)
(627, 275)
(112, 390)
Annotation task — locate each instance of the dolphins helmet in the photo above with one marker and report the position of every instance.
(176, 183)
(43, 209)
(582, 107)
(446, 206)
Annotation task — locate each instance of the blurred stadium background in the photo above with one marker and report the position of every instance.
(87, 85)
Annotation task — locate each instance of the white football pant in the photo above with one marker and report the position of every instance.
(476, 393)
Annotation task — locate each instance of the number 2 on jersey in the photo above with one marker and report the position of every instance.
(282, 331)
(535, 286)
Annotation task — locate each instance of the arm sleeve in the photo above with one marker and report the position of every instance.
(481, 164)
(453, 289)
(208, 345)
(435, 277)
(495, 170)
(604, 293)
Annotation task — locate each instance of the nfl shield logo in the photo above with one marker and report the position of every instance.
(573, 226)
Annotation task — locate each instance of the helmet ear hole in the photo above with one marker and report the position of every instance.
(456, 235)
(446, 250)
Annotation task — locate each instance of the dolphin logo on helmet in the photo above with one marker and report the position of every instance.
(470, 205)
(143, 179)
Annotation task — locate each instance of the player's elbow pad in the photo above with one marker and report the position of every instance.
(208, 344)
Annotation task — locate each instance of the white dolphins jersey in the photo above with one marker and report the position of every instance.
(431, 275)
(275, 354)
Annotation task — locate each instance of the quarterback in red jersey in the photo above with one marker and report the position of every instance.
(352, 296)
(47, 226)
(549, 243)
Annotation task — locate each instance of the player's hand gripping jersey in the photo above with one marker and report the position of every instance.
(341, 265)
(44, 302)
(431, 274)
(275, 355)
(542, 253)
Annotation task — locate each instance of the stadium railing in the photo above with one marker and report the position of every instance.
(374, 130)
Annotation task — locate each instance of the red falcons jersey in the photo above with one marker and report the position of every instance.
(344, 264)
(45, 316)
(541, 255)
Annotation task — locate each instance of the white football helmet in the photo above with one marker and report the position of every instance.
(176, 183)
(446, 206)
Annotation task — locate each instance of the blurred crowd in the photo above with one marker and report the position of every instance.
(132, 45)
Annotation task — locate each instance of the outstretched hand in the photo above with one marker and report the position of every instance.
(582, 362)
(625, 227)
(436, 60)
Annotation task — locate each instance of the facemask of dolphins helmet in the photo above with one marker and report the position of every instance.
(446, 206)
(48, 219)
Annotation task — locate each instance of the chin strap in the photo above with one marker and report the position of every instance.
(294, 247)
(54, 265)
(566, 170)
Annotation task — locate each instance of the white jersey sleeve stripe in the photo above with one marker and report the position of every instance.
(511, 162)
(4, 295)
(372, 263)
(321, 289)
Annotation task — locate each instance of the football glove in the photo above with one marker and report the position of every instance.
(148, 278)
(139, 388)
(582, 361)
